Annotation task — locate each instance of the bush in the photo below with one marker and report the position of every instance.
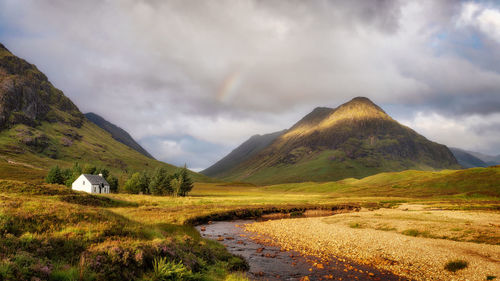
(411, 232)
(456, 265)
(166, 270)
(238, 263)
(354, 225)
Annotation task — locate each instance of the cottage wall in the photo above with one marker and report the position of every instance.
(82, 184)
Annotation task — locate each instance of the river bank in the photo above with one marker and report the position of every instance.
(382, 239)
(269, 262)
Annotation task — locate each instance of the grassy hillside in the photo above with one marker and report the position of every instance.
(473, 182)
(48, 232)
(27, 152)
(357, 139)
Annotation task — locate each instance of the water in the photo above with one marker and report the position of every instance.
(271, 263)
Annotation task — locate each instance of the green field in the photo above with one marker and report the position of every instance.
(51, 232)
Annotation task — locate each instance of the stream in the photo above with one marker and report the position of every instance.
(271, 263)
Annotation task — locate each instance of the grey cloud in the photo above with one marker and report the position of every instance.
(168, 69)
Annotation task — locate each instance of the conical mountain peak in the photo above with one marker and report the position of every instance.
(359, 108)
(323, 118)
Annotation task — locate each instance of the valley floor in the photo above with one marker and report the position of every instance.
(413, 241)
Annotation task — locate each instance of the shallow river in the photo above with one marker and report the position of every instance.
(271, 263)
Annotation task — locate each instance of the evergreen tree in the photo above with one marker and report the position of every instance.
(103, 171)
(132, 184)
(113, 183)
(187, 183)
(76, 171)
(160, 182)
(144, 181)
(89, 169)
(176, 184)
(55, 176)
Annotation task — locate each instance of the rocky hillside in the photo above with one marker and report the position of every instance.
(356, 139)
(117, 133)
(41, 127)
(27, 97)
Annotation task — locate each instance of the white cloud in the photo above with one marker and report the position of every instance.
(474, 132)
(486, 19)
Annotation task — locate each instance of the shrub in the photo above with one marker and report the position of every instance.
(411, 232)
(354, 225)
(456, 265)
(167, 270)
(238, 263)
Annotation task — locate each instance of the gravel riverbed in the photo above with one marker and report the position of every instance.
(416, 258)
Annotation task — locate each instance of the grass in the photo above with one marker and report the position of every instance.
(456, 265)
(50, 232)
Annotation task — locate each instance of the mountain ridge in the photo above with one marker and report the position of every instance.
(117, 133)
(353, 140)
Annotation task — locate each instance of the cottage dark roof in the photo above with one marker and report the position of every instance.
(95, 179)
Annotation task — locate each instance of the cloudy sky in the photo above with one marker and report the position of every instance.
(190, 80)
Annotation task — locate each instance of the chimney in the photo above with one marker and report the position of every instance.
(100, 175)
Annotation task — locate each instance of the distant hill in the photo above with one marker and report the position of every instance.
(488, 159)
(356, 139)
(473, 182)
(41, 127)
(117, 133)
(243, 152)
(466, 159)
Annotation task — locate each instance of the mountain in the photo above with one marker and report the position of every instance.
(466, 159)
(356, 139)
(117, 133)
(488, 159)
(243, 152)
(40, 127)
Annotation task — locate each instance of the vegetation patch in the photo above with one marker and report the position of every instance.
(10, 186)
(456, 265)
(94, 200)
(259, 212)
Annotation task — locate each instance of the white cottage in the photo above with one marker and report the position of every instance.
(91, 184)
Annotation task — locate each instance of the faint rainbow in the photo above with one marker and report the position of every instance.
(229, 85)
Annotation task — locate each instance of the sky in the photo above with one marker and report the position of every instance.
(191, 80)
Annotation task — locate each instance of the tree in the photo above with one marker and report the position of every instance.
(89, 169)
(103, 171)
(132, 184)
(55, 176)
(176, 184)
(113, 183)
(187, 183)
(144, 181)
(76, 171)
(160, 182)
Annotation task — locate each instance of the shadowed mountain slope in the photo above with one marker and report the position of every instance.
(466, 159)
(243, 152)
(117, 133)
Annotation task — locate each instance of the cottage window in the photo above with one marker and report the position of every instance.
(83, 183)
